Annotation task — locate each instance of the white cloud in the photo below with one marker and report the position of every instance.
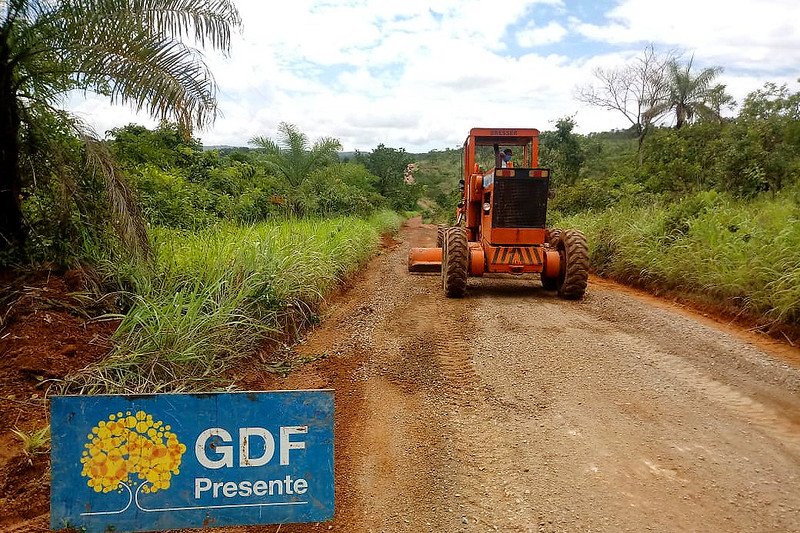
(419, 74)
(100, 115)
(445, 63)
(533, 36)
(751, 34)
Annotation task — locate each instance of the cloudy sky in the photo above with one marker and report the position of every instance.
(418, 74)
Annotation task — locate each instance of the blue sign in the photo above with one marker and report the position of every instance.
(143, 463)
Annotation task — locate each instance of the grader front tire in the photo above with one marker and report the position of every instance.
(574, 251)
(440, 229)
(549, 284)
(455, 262)
(552, 237)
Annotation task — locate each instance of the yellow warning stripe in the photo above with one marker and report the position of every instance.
(518, 255)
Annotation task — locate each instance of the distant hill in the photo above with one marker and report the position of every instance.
(225, 148)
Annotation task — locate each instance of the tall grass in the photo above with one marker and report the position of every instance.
(216, 295)
(742, 254)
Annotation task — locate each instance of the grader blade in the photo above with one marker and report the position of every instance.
(425, 260)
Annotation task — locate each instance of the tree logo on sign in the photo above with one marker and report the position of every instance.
(131, 449)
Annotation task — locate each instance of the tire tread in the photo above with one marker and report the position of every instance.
(576, 268)
(455, 262)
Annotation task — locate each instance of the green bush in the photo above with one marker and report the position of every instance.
(339, 189)
(169, 199)
(757, 151)
(182, 187)
(593, 194)
(727, 250)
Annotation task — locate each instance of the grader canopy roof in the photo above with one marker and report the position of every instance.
(527, 138)
(504, 136)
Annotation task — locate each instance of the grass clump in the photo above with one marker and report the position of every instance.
(216, 295)
(738, 253)
(34, 442)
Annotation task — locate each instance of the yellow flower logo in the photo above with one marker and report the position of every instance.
(129, 449)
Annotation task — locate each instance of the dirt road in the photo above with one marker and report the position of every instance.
(512, 410)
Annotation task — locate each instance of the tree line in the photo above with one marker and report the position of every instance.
(683, 142)
(175, 183)
(654, 84)
(62, 189)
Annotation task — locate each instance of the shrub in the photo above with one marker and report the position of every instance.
(742, 253)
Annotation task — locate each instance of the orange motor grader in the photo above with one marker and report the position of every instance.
(501, 223)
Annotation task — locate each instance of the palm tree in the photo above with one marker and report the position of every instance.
(129, 50)
(689, 95)
(292, 156)
(718, 99)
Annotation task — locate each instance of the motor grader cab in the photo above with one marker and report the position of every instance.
(501, 223)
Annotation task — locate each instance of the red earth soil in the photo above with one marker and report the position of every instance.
(46, 332)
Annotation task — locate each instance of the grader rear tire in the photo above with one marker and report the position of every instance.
(440, 229)
(455, 261)
(572, 247)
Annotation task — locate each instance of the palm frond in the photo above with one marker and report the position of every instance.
(689, 94)
(327, 145)
(63, 165)
(167, 78)
(706, 112)
(291, 156)
(208, 22)
(292, 138)
(266, 144)
(703, 80)
(212, 20)
(127, 216)
(653, 113)
(16, 10)
(130, 50)
(323, 152)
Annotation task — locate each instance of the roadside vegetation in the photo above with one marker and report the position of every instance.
(243, 245)
(218, 295)
(33, 443)
(707, 210)
(204, 256)
(740, 255)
